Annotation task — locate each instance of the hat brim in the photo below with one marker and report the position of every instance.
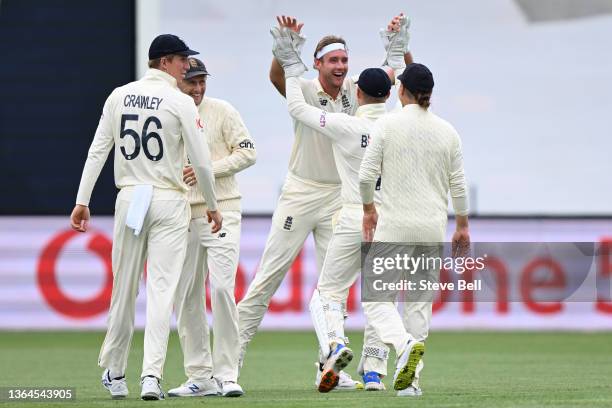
(189, 75)
(186, 53)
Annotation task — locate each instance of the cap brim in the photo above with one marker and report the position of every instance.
(195, 74)
(187, 53)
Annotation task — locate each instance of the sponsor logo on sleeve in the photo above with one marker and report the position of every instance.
(246, 144)
(322, 119)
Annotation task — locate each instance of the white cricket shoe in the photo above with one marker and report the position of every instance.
(151, 390)
(206, 388)
(231, 389)
(116, 386)
(373, 381)
(411, 391)
(346, 382)
(407, 364)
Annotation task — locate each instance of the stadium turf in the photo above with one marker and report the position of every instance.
(462, 370)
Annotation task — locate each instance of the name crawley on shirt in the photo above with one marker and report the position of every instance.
(142, 102)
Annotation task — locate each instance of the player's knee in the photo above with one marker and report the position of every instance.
(224, 290)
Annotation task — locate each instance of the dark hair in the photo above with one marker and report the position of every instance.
(421, 98)
(328, 39)
(155, 63)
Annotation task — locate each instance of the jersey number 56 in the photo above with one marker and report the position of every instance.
(141, 141)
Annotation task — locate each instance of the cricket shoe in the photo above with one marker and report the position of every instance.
(407, 365)
(207, 388)
(345, 382)
(151, 389)
(339, 358)
(411, 391)
(116, 386)
(231, 389)
(372, 381)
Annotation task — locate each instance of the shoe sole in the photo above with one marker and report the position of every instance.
(330, 376)
(234, 394)
(150, 397)
(329, 380)
(118, 397)
(211, 394)
(374, 387)
(406, 374)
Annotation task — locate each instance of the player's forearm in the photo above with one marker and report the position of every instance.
(200, 161)
(96, 157)
(199, 156)
(461, 222)
(234, 163)
(366, 189)
(300, 110)
(277, 76)
(91, 172)
(408, 58)
(457, 183)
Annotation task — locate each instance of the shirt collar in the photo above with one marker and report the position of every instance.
(322, 92)
(157, 74)
(413, 107)
(371, 110)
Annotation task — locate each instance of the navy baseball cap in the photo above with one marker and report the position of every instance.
(374, 82)
(417, 78)
(168, 44)
(196, 67)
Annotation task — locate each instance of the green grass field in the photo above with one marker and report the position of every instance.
(462, 370)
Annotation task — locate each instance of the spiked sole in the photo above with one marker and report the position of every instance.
(405, 376)
(329, 380)
(331, 375)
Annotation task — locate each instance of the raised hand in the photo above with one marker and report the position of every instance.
(290, 23)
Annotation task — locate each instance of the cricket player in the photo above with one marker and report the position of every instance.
(418, 155)
(350, 135)
(152, 123)
(311, 193)
(232, 150)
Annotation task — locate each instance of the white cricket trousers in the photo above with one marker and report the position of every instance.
(162, 243)
(303, 207)
(215, 256)
(341, 268)
(384, 316)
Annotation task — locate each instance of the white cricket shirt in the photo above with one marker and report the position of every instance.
(349, 135)
(419, 157)
(311, 155)
(151, 123)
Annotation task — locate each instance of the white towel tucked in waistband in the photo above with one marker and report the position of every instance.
(139, 205)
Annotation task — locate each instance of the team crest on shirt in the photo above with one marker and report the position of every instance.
(323, 101)
(346, 105)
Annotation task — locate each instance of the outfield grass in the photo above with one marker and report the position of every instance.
(462, 370)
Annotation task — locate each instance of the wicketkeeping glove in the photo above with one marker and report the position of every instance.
(283, 49)
(396, 44)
